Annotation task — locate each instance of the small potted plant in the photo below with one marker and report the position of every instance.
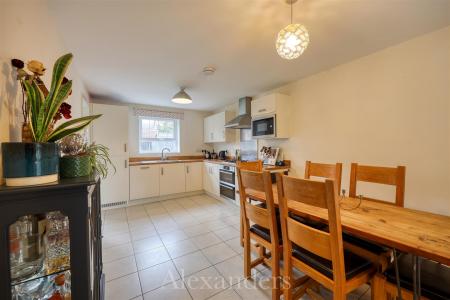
(35, 159)
(80, 159)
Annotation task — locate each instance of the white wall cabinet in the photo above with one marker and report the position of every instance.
(172, 179)
(144, 181)
(194, 176)
(211, 178)
(214, 130)
(274, 104)
(111, 130)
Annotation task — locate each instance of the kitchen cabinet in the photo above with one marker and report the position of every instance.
(194, 176)
(214, 130)
(211, 178)
(111, 130)
(277, 105)
(144, 181)
(172, 179)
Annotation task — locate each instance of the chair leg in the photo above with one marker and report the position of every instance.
(288, 280)
(242, 229)
(247, 257)
(275, 273)
(378, 291)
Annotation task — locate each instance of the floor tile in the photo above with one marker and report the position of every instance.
(228, 294)
(181, 248)
(147, 244)
(175, 291)
(227, 233)
(206, 240)
(119, 268)
(233, 269)
(235, 244)
(218, 253)
(152, 257)
(126, 287)
(206, 283)
(195, 230)
(157, 276)
(173, 236)
(251, 289)
(115, 240)
(191, 263)
(142, 233)
(116, 252)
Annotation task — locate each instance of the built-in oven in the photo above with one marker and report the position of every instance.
(264, 126)
(227, 182)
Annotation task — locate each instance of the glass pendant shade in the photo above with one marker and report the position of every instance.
(182, 97)
(292, 41)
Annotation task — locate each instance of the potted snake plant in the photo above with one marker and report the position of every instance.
(37, 161)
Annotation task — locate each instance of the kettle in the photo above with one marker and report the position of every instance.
(223, 155)
(207, 154)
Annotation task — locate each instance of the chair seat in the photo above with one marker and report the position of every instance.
(315, 224)
(434, 277)
(354, 264)
(374, 248)
(265, 233)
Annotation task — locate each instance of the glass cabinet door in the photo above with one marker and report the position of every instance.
(39, 256)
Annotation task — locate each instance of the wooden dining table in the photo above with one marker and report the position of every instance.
(419, 233)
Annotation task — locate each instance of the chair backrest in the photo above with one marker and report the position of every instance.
(318, 194)
(251, 182)
(329, 171)
(382, 175)
(256, 166)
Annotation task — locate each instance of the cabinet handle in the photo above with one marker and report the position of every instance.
(126, 163)
(162, 171)
(143, 168)
(261, 110)
(125, 147)
(187, 169)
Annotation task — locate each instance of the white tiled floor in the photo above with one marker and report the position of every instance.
(186, 248)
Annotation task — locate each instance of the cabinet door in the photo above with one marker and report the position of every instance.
(215, 180)
(206, 179)
(194, 176)
(115, 188)
(144, 181)
(264, 105)
(172, 179)
(111, 129)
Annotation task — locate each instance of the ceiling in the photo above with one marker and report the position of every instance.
(142, 51)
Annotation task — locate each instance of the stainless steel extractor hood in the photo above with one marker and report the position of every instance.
(244, 119)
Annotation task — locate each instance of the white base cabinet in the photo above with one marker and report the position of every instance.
(211, 178)
(194, 176)
(144, 181)
(172, 179)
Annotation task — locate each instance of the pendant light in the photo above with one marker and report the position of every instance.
(293, 39)
(182, 97)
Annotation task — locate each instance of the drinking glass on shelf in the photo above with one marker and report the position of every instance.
(26, 253)
(57, 242)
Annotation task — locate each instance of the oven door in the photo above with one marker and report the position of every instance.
(227, 177)
(227, 191)
(263, 127)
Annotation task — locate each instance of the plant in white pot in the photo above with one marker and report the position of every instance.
(36, 162)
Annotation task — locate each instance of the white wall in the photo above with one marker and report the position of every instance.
(27, 31)
(191, 130)
(389, 108)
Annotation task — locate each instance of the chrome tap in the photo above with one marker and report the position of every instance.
(162, 153)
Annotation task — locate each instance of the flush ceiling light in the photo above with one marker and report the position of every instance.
(182, 97)
(293, 39)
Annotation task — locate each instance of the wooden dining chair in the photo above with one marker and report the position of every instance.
(318, 254)
(381, 175)
(264, 231)
(329, 171)
(256, 166)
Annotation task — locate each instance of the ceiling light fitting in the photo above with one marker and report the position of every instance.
(293, 39)
(182, 97)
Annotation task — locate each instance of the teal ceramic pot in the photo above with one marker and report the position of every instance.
(30, 163)
(74, 166)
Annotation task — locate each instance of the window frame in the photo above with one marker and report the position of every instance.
(177, 123)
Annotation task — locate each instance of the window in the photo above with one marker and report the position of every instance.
(156, 134)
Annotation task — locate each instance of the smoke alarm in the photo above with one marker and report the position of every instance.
(209, 70)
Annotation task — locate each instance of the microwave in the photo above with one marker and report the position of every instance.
(264, 126)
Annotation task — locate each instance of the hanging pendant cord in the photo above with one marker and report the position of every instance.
(291, 11)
